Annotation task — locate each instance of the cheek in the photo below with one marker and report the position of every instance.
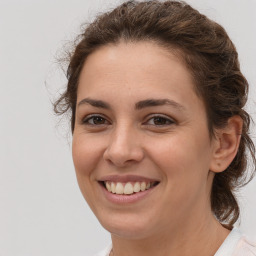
(183, 158)
(183, 161)
(86, 155)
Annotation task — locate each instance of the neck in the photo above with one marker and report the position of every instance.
(193, 239)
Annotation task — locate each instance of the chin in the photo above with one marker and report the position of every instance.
(127, 227)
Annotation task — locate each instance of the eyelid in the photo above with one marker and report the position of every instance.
(171, 120)
(149, 117)
(90, 116)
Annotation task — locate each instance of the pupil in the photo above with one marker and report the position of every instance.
(98, 120)
(160, 120)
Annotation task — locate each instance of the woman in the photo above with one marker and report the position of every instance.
(159, 130)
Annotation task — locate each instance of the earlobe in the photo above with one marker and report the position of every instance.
(226, 144)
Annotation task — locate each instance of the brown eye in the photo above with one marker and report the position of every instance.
(95, 120)
(160, 120)
(98, 120)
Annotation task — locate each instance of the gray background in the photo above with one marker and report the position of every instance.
(41, 209)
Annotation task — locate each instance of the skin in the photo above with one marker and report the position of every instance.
(175, 150)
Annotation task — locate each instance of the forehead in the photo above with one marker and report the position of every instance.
(132, 60)
(141, 69)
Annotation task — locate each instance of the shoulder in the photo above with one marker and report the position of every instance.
(105, 252)
(245, 247)
(237, 244)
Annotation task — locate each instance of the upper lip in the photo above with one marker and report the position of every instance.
(126, 178)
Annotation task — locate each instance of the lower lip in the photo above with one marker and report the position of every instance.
(126, 199)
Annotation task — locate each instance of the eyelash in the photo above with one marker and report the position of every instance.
(91, 117)
(169, 121)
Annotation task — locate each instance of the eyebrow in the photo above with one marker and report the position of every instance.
(94, 103)
(158, 102)
(139, 105)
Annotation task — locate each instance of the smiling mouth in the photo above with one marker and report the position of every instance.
(128, 188)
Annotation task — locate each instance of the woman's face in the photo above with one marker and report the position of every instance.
(139, 123)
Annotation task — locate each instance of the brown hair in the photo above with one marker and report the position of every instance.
(208, 53)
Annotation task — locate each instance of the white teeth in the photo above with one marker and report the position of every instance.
(119, 188)
(108, 186)
(127, 188)
(113, 187)
(143, 186)
(136, 187)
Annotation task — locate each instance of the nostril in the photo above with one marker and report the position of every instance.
(123, 150)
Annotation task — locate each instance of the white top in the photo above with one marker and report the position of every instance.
(236, 244)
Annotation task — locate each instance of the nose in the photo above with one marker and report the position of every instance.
(124, 147)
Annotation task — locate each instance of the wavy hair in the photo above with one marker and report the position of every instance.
(210, 56)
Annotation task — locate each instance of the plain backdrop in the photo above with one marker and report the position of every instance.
(42, 211)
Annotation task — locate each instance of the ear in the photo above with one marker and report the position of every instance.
(226, 143)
